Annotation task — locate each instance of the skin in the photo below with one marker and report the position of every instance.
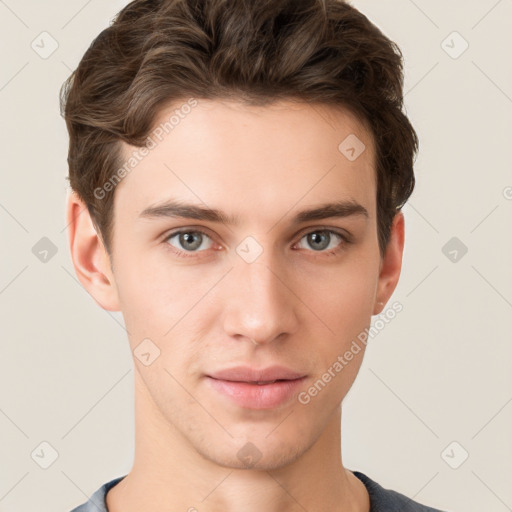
(295, 305)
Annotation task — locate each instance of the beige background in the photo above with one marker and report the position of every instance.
(439, 372)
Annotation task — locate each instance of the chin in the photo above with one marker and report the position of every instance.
(256, 452)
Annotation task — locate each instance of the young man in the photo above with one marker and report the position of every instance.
(237, 172)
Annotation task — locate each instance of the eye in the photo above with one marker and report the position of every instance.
(188, 241)
(325, 240)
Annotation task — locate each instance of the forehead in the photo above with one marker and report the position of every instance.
(256, 162)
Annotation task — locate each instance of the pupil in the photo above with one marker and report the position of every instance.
(188, 238)
(316, 237)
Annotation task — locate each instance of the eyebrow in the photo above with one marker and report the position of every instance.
(178, 209)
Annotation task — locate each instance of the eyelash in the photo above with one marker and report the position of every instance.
(345, 240)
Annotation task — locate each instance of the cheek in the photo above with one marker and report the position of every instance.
(344, 298)
(345, 305)
(159, 300)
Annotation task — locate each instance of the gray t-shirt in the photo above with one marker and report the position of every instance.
(381, 500)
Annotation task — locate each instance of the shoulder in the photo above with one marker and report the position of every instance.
(386, 500)
(97, 503)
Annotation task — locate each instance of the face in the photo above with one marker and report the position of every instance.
(263, 276)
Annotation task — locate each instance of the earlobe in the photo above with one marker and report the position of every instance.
(391, 264)
(89, 256)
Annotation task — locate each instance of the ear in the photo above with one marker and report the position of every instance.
(391, 264)
(90, 258)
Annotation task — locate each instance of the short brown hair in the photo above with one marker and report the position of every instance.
(257, 51)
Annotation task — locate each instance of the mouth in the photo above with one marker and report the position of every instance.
(258, 383)
(254, 375)
(256, 392)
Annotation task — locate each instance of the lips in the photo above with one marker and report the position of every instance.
(253, 375)
(257, 389)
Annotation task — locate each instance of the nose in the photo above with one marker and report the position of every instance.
(260, 303)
